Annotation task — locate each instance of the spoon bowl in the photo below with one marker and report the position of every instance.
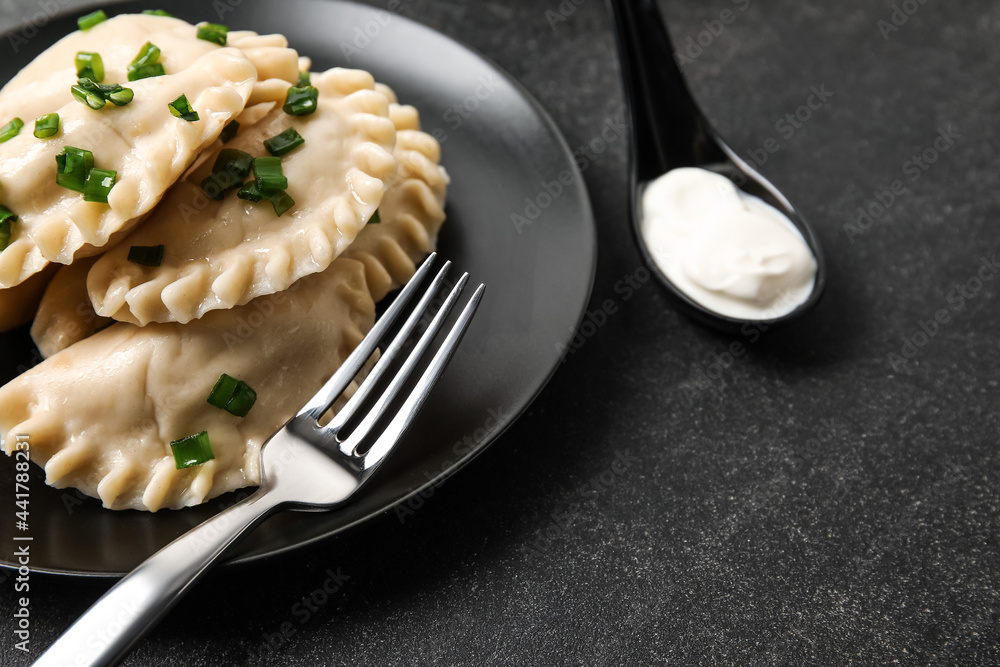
(669, 131)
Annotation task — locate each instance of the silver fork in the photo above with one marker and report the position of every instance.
(304, 466)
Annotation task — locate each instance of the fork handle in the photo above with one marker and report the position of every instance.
(123, 615)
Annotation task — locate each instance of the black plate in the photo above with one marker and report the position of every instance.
(499, 147)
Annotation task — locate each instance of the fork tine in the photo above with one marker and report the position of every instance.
(404, 417)
(361, 433)
(342, 379)
(388, 355)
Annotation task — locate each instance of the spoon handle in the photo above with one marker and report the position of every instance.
(668, 127)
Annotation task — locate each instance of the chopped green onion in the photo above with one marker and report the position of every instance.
(7, 220)
(147, 255)
(213, 32)
(73, 166)
(268, 174)
(90, 20)
(90, 66)
(95, 95)
(304, 80)
(301, 100)
(284, 142)
(147, 72)
(121, 97)
(229, 131)
(192, 450)
(233, 396)
(47, 125)
(236, 162)
(99, 184)
(230, 168)
(375, 219)
(182, 109)
(280, 200)
(146, 64)
(157, 12)
(11, 130)
(95, 101)
(250, 192)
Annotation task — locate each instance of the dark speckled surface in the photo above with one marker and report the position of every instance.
(815, 500)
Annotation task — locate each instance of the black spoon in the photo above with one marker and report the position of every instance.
(670, 131)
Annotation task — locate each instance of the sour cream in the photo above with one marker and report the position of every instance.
(730, 251)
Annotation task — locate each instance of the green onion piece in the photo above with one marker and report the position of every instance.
(192, 450)
(280, 200)
(250, 192)
(147, 255)
(95, 101)
(301, 100)
(182, 109)
(95, 95)
(11, 130)
(157, 12)
(213, 32)
(47, 125)
(284, 142)
(90, 66)
(230, 168)
(7, 220)
(73, 166)
(236, 162)
(121, 97)
(229, 131)
(215, 185)
(268, 174)
(233, 396)
(99, 184)
(375, 219)
(146, 72)
(304, 80)
(146, 64)
(90, 20)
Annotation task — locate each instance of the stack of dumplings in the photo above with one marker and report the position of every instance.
(256, 213)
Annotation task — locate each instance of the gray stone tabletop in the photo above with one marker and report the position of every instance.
(829, 496)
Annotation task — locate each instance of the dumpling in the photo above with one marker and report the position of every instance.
(44, 85)
(219, 254)
(412, 210)
(101, 413)
(19, 303)
(152, 382)
(143, 142)
(65, 314)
